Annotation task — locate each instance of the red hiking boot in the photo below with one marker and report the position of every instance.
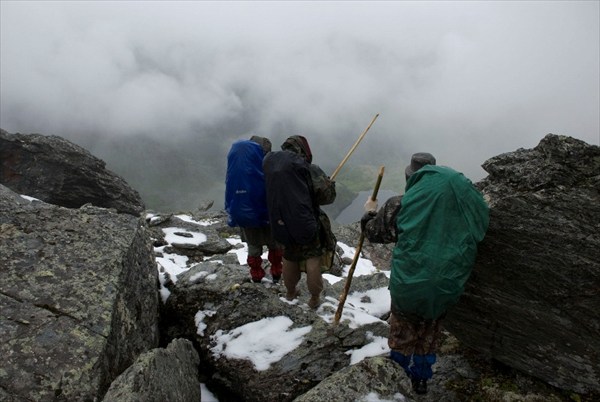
(256, 270)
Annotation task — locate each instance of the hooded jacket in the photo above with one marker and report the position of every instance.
(295, 189)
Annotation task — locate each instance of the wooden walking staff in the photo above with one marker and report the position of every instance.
(337, 170)
(338, 313)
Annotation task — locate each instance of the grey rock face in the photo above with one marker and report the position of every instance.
(78, 298)
(159, 375)
(59, 172)
(533, 300)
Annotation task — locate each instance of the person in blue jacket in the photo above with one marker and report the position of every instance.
(246, 205)
(436, 225)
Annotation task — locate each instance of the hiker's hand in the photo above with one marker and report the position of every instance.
(371, 205)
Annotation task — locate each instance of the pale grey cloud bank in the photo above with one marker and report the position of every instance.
(463, 80)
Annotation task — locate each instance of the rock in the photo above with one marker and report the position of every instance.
(78, 298)
(378, 378)
(533, 300)
(379, 254)
(59, 172)
(205, 205)
(159, 375)
(209, 247)
(183, 227)
(153, 219)
(228, 301)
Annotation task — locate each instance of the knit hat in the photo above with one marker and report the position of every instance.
(417, 161)
(299, 145)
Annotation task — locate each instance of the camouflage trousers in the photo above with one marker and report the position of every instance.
(411, 335)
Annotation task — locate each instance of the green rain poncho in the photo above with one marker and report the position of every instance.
(442, 219)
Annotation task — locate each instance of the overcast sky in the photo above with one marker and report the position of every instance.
(463, 80)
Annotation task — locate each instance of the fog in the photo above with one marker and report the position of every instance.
(463, 80)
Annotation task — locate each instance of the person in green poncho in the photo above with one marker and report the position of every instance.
(436, 226)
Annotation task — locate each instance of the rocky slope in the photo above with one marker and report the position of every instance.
(81, 313)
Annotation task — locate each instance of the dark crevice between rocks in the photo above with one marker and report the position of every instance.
(12, 297)
(55, 311)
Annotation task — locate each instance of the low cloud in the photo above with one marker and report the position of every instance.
(463, 80)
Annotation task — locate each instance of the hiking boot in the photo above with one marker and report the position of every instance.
(419, 386)
(256, 270)
(275, 257)
(257, 274)
(314, 302)
(290, 296)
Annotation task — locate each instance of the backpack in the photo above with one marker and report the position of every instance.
(328, 241)
(442, 220)
(289, 198)
(245, 197)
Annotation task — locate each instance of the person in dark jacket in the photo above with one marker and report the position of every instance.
(310, 187)
(246, 205)
(436, 225)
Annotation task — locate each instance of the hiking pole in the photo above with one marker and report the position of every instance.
(338, 313)
(337, 170)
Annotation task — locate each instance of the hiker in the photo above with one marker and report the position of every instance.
(436, 226)
(246, 205)
(295, 190)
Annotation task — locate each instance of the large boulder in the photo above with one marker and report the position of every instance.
(59, 172)
(377, 378)
(216, 297)
(533, 300)
(78, 298)
(159, 375)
